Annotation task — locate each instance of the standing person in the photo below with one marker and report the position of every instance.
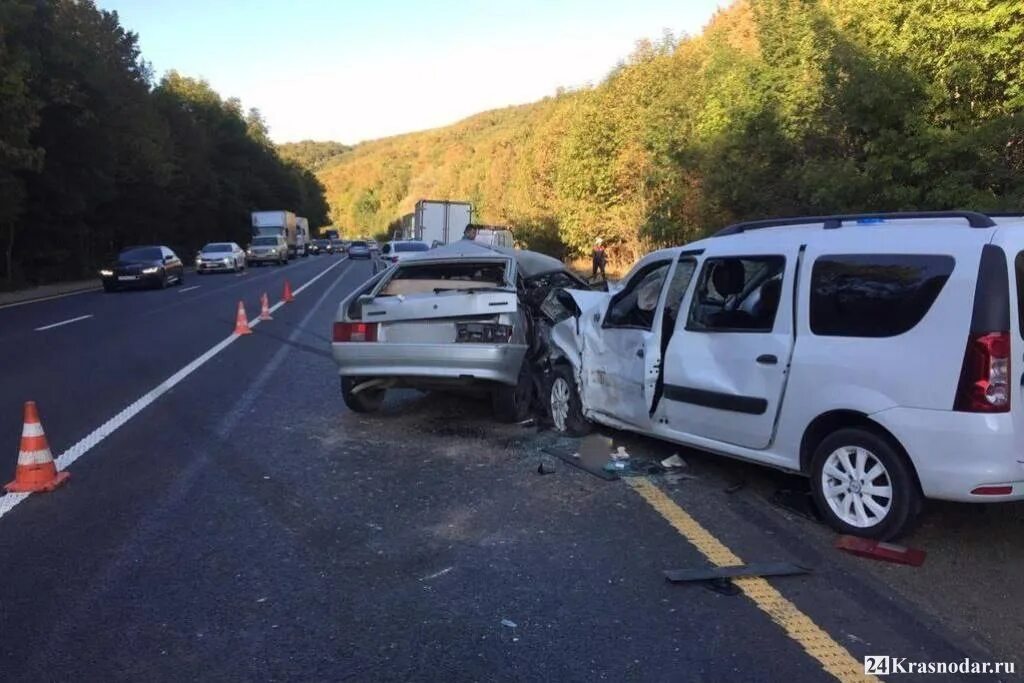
(598, 259)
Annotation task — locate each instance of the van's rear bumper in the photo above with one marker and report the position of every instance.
(955, 453)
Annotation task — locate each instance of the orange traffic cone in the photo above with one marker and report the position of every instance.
(265, 311)
(241, 320)
(288, 298)
(36, 470)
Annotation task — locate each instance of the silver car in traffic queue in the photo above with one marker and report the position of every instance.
(443, 319)
(268, 249)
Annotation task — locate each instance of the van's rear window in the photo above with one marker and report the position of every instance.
(875, 295)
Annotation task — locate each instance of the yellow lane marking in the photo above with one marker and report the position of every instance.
(834, 658)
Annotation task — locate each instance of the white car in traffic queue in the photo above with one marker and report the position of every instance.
(394, 251)
(872, 353)
(220, 256)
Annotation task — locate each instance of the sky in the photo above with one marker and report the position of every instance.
(353, 70)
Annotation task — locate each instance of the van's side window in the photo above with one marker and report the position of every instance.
(874, 295)
(737, 294)
(637, 303)
(1018, 267)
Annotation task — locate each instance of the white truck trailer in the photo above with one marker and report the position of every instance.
(302, 236)
(277, 223)
(441, 221)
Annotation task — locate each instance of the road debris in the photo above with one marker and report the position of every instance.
(676, 477)
(879, 550)
(673, 462)
(734, 571)
(545, 468)
(437, 574)
(620, 454)
(508, 623)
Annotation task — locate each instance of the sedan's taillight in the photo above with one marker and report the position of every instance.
(394, 259)
(355, 332)
(985, 378)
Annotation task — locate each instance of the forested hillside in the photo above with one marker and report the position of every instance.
(94, 155)
(312, 154)
(778, 107)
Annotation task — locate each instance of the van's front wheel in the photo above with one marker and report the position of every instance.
(863, 485)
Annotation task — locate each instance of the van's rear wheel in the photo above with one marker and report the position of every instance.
(863, 485)
(364, 401)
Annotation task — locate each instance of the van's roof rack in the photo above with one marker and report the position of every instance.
(973, 218)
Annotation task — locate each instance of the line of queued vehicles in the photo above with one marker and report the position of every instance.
(277, 237)
(871, 353)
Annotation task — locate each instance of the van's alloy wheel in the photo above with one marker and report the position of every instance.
(560, 393)
(856, 486)
(564, 406)
(864, 485)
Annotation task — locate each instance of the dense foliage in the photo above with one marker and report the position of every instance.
(779, 107)
(312, 154)
(95, 156)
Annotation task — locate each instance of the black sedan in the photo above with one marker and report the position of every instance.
(321, 246)
(143, 267)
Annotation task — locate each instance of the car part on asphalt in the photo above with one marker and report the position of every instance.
(879, 550)
(545, 468)
(579, 464)
(734, 571)
(673, 461)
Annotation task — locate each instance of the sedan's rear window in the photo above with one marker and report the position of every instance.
(357, 243)
(427, 277)
(411, 246)
(142, 254)
(875, 295)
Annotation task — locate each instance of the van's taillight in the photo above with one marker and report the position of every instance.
(985, 379)
(355, 332)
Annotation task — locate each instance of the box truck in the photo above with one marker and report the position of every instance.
(302, 236)
(277, 223)
(440, 221)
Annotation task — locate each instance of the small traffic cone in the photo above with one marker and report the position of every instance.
(288, 298)
(36, 470)
(265, 310)
(241, 320)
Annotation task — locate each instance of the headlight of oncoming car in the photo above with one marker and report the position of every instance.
(152, 270)
(483, 333)
(106, 273)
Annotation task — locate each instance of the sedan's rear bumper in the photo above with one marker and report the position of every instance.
(491, 362)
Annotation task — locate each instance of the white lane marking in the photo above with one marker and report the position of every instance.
(50, 298)
(8, 502)
(63, 322)
(188, 289)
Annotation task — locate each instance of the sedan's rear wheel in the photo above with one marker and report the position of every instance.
(512, 404)
(564, 405)
(364, 401)
(863, 485)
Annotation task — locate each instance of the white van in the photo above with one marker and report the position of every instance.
(873, 353)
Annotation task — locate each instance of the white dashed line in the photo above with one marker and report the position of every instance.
(8, 502)
(63, 322)
(188, 289)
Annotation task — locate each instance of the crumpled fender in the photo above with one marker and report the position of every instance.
(565, 338)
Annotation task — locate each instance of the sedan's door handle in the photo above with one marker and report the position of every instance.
(767, 359)
(640, 353)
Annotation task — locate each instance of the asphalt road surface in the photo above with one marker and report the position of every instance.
(227, 518)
